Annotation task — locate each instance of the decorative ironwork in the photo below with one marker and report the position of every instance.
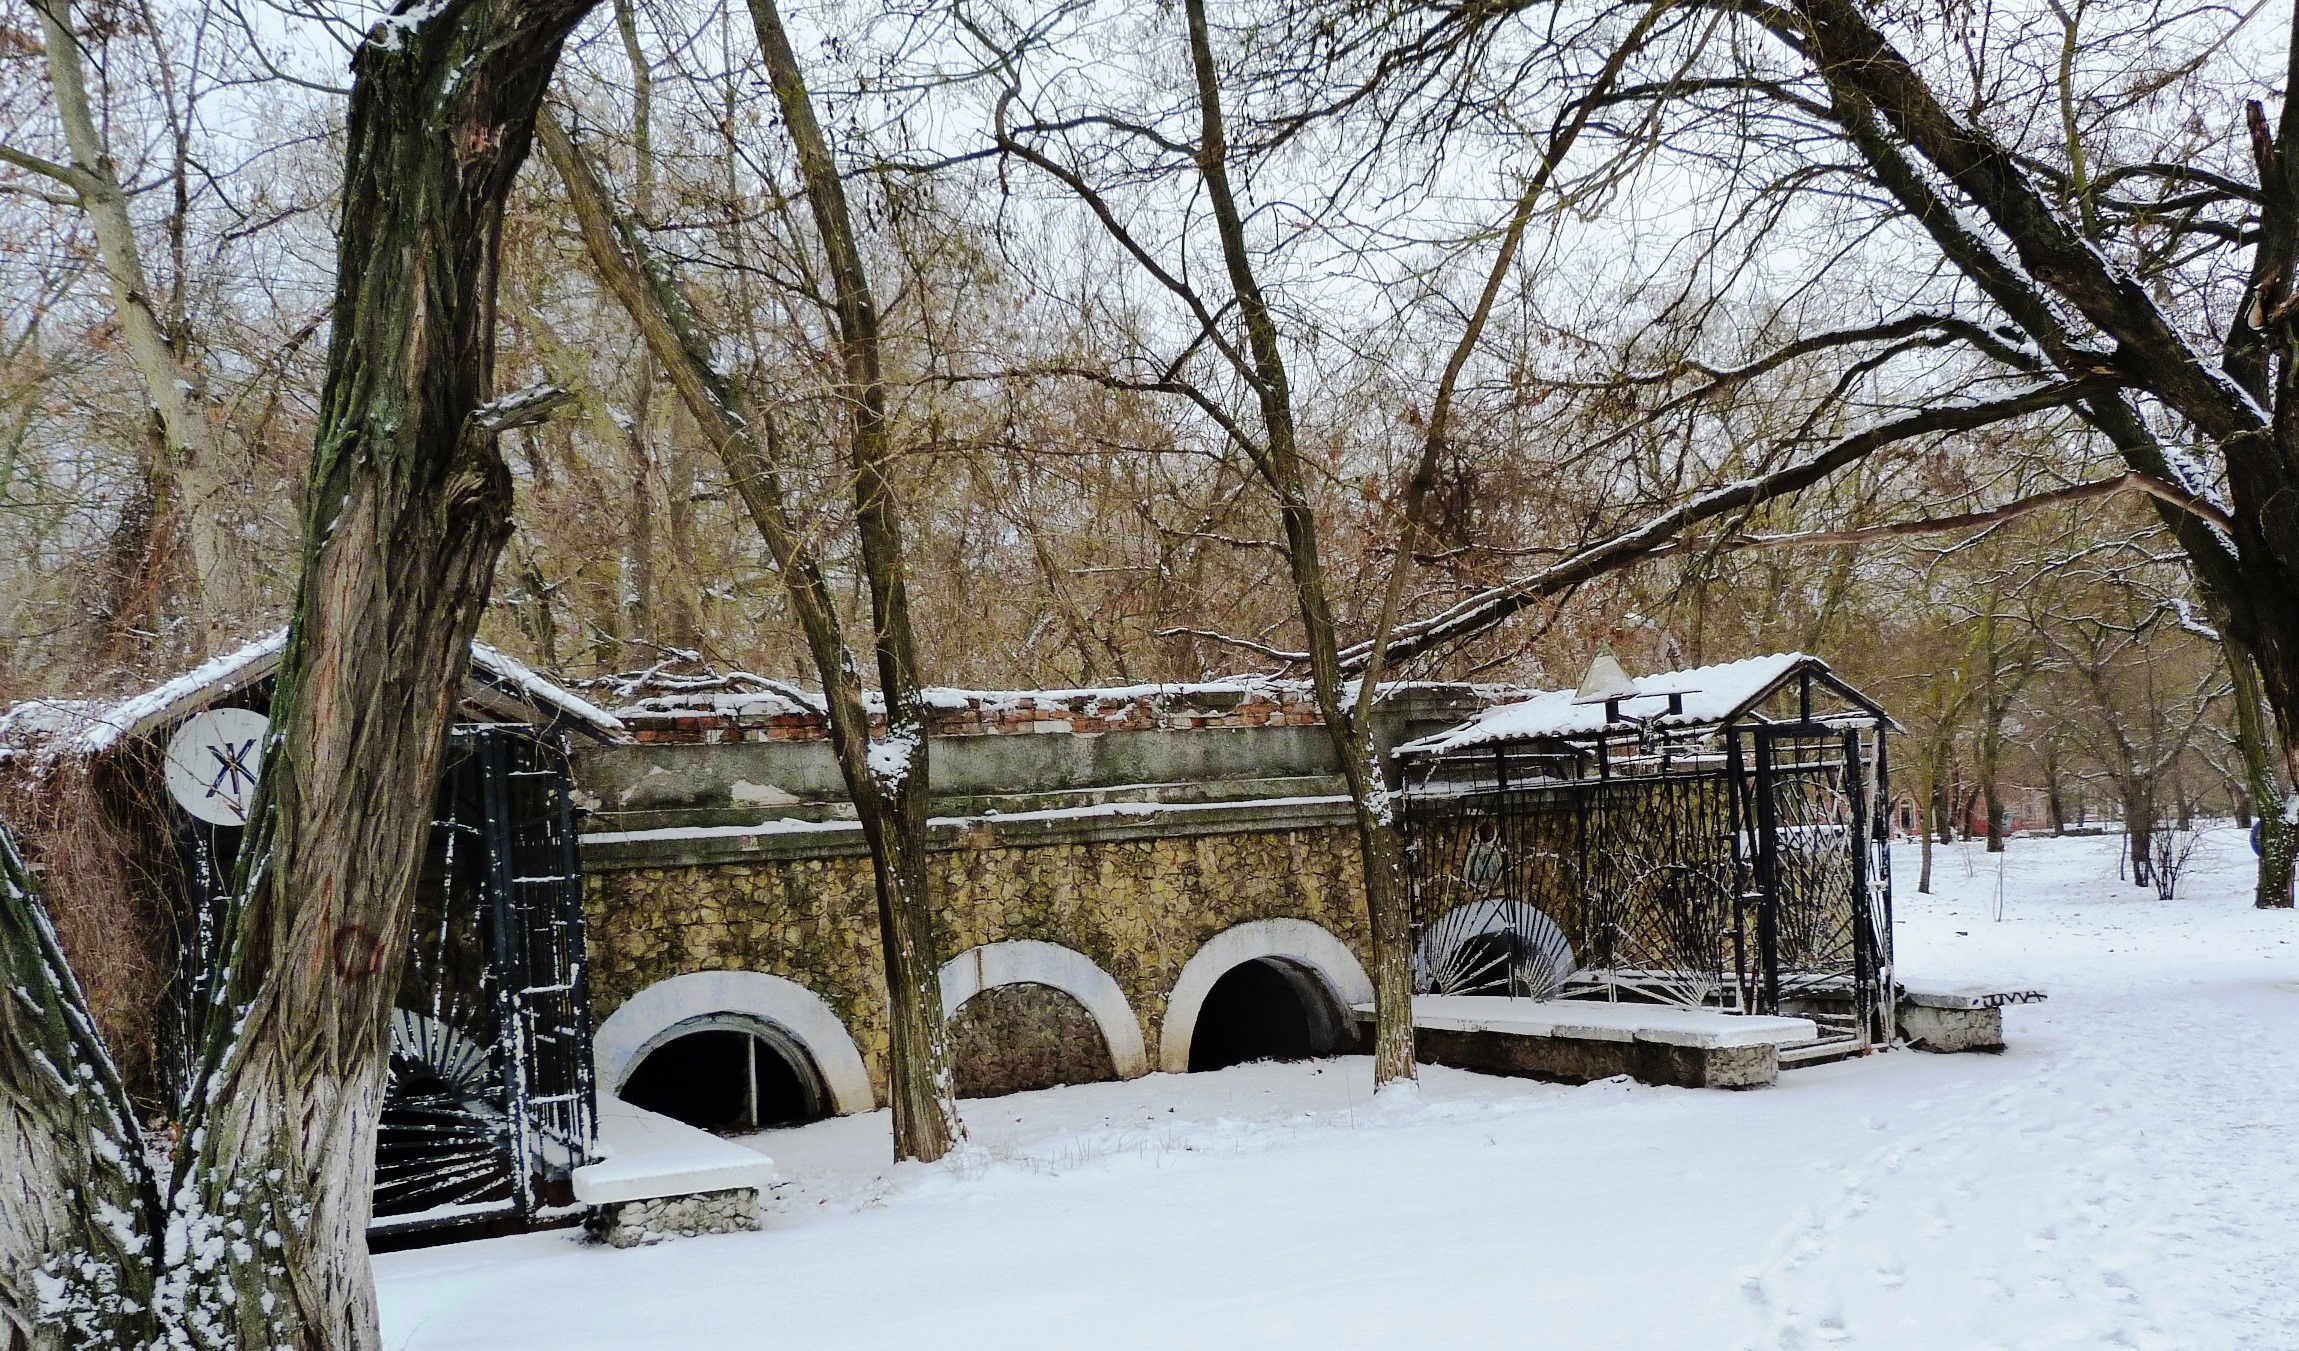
(1736, 866)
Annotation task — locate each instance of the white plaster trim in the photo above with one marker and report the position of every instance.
(627, 1034)
(1029, 962)
(1294, 940)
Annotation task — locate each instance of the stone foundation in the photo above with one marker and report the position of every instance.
(1949, 1030)
(627, 1224)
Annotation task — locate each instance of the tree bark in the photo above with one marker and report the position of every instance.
(1277, 458)
(743, 435)
(926, 1114)
(79, 1208)
(2278, 838)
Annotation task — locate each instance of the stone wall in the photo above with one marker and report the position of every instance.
(1014, 1038)
(1138, 897)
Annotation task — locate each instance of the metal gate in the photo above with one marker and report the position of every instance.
(491, 1102)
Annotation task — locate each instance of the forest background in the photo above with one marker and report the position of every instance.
(1078, 511)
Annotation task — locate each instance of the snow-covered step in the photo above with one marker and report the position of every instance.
(1826, 1052)
(1949, 1016)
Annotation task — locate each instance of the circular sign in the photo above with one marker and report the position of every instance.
(212, 763)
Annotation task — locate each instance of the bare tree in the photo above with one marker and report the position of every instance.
(887, 780)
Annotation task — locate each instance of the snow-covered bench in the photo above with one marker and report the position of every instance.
(661, 1178)
(1578, 1041)
(1959, 1016)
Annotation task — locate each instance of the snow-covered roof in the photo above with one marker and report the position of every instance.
(1710, 695)
(90, 727)
(522, 680)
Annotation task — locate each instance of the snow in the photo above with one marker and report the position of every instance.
(791, 825)
(215, 676)
(1710, 694)
(521, 677)
(889, 760)
(2121, 1176)
(91, 727)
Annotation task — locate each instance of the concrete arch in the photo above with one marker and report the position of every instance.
(1296, 942)
(1029, 962)
(672, 1007)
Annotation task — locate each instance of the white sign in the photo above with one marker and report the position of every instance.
(212, 763)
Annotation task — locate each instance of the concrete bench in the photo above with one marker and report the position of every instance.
(1959, 1016)
(1578, 1041)
(660, 1178)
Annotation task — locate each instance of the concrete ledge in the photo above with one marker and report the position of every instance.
(627, 1224)
(1578, 1060)
(1969, 995)
(1590, 1020)
(1948, 1017)
(1946, 1031)
(769, 841)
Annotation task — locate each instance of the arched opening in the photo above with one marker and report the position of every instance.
(1266, 1009)
(728, 1074)
(1014, 1038)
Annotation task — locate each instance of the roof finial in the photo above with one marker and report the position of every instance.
(1605, 679)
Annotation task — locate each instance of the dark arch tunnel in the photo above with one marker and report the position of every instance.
(729, 1075)
(1268, 1009)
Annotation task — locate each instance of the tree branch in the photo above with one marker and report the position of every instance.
(1487, 609)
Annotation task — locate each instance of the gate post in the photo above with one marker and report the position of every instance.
(1767, 873)
(1864, 997)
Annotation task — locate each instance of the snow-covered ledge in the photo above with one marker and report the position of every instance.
(1290, 940)
(1029, 962)
(645, 1155)
(1588, 1020)
(655, 1014)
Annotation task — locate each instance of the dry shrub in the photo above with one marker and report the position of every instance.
(95, 830)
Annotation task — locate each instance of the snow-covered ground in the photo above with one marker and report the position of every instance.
(2127, 1174)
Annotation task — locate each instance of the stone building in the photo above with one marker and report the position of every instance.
(1160, 877)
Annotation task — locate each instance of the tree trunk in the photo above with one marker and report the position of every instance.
(2139, 834)
(2055, 799)
(262, 1239)
(891, 807)
(2278, 839)
(1927, 824)
(79, 1208)
(1277, 458)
